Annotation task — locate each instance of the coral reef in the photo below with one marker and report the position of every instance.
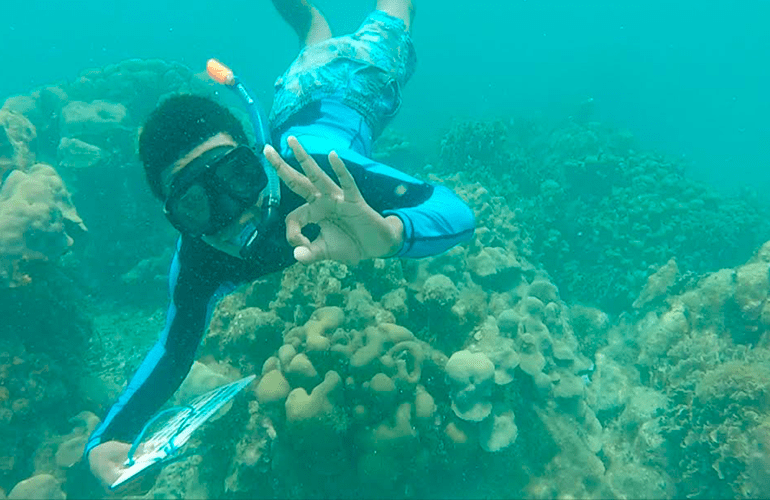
(600, 213)
(493, 370)
(686, 387)
(43, 336)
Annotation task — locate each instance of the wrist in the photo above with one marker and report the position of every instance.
(396, 230)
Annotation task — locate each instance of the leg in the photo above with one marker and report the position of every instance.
(402, 9)
(306, 20)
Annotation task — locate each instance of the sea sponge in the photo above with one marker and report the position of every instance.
(471, 377)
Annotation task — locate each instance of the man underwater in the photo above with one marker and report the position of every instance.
(329, 106)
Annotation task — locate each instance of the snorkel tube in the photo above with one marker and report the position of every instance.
(271, 196)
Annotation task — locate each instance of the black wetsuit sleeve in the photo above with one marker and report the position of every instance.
(168, 362)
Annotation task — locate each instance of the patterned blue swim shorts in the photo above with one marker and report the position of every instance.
(365, 71)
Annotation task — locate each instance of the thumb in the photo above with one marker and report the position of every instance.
(316, 251)
(303, 255)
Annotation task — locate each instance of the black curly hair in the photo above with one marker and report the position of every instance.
(176, 127)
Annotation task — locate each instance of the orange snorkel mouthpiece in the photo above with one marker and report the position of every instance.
(220, 72)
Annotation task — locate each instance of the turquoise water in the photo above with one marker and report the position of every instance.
(689, 78)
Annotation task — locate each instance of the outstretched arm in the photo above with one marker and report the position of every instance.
(391, 215)
(306, 20)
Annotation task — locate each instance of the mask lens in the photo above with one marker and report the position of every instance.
(192, 210)
(208, 196)
(241, 174)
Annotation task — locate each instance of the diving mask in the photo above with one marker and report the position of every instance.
(214, 189)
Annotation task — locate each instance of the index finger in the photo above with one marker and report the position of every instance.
(293, 179)
(314, 173)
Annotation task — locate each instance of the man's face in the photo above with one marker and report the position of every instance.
(221, 240)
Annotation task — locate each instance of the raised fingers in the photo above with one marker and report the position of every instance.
(348, 184)
(314, 173)
(293, 179)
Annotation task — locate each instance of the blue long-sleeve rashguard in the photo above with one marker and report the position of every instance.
(434, 220)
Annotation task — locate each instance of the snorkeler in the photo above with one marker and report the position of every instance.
(237, 224)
